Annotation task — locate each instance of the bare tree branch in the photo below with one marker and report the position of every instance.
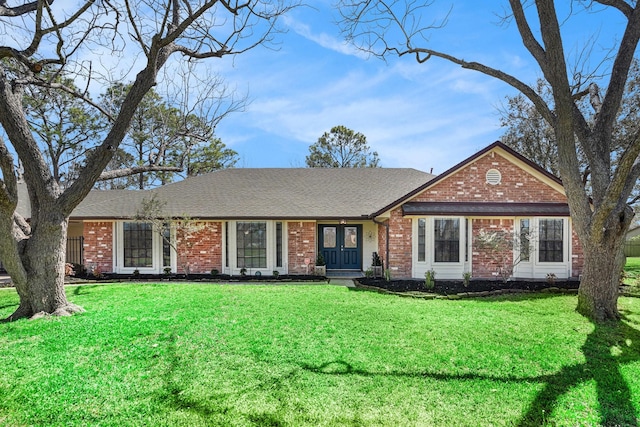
(17, 10)
(621, 5)
(119, 173)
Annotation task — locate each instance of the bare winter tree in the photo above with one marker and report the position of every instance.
(601, 217)
(49, 36)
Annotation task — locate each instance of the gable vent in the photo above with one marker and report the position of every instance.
(494, 177)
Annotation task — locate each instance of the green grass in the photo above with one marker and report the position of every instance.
(632, 271)
(315, 355)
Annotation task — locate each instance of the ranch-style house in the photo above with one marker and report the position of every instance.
(280, 219)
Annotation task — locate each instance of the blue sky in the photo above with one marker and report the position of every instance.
(422, 116)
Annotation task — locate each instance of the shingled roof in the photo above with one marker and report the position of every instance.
(278, 193)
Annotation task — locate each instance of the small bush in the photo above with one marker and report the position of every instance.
(430, 279)
(466, 278)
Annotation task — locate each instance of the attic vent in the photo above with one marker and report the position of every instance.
(494, 177)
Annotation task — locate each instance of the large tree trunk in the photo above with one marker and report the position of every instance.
(598, 293)
(44, 261)
(603, 263)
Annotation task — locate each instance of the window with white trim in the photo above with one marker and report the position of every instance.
(166, 246)
(550, 240)
(446, 239)
(524, 238)
(279, 244)
(422, 239)
(251, 244)
(138, 244)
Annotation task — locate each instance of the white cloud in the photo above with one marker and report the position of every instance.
(323, 39)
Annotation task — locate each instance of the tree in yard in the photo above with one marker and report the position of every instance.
(341, 148)
(600, 213)
(529, 133)
(63, 125)
(49, 39)
(203, 159)
(168, 134)
(153, 127)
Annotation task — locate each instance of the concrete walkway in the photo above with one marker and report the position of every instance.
(341, 282)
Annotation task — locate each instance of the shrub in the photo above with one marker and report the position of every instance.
(430, 279)
(466, 278)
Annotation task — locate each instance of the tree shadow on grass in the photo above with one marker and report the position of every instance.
(218, 405)
(606, 348)
(2, 307)
(83, 289)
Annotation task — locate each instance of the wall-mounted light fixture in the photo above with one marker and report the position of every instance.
(343, 221)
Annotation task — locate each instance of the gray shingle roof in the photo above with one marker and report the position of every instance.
(285, 193)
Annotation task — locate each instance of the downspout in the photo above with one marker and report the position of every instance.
(386, 226)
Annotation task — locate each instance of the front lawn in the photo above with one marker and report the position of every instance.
(315, 355)
(632, 272)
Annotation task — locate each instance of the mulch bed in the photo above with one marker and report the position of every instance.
(224, 278)
(455, 287)
(207, 278)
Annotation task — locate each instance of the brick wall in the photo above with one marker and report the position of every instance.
(201, 249)
(400, 240)
(382, 243)
(469, 185)
(484, 262)
(98, 245)
(302, 245)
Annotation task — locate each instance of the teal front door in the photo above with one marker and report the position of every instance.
(341, 246)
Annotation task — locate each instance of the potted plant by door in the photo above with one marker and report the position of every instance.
(376, 265)
(320, 268)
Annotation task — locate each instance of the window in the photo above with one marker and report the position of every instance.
(138, 244)
(350, 237)
(446, 240)
(467, 240)
(422, 241)
(329, 237)
(525, 243)
(551, 243)
(278, 244)
(226, 244)
(251, 244)
(166, 245)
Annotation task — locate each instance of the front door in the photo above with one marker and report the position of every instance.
(341, 246)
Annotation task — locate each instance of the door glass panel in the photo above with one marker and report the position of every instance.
(350, 237)
(329, 237)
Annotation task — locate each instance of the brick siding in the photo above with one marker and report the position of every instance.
(302, 246)
(484, 263)
(98, 246)
(400, 239)
(382, 243)
(469, 185)
(201, 250)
